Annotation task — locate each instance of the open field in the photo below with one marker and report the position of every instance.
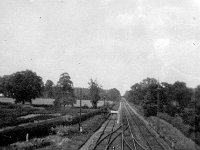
(16, 114)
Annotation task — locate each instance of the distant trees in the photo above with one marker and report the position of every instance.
(94, 92)
(113, 95)
(22, 86)
(176, 95)
(64, 94)
(82, 93)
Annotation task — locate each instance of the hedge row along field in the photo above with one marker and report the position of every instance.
(40, 129)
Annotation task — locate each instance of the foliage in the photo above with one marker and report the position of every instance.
(39, 129)
(172, 98)
(112, 95)
(22, 86)
(6, 85)
(15, 121)
(82, 93)
(94, 92)
(64, 94)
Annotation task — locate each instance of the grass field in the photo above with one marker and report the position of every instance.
(17, 114)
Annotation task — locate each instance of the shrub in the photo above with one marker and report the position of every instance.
(85, 106)
(150, 111)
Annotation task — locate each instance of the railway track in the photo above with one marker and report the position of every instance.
(129, 141)
(108, 135)
(142, 133)
(131, 134)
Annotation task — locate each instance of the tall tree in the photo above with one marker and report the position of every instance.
(24, 86)
(94, 92)
(65, 91)
(182, 94)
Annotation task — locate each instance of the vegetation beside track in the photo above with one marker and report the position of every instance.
(64, 137)
(172, 135)
(171, 129)
(40, 129)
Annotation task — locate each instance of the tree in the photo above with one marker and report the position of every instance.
(48, 89)
(94, 92)
(6, 85)
(182, 94)
(24, 86)
(65, 90)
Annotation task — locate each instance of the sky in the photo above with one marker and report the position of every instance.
(117, 42)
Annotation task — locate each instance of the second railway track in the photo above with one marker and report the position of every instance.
(131, 134)
(144, 137)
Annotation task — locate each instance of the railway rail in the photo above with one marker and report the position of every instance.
(107, 135)
(131, 134)
(144, 135)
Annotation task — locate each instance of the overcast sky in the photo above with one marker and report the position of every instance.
(118, 42)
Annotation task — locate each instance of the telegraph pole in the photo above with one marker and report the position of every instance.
(195, 117)
(158, 105)
(80, 127)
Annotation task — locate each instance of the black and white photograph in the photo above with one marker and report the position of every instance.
(99, 74)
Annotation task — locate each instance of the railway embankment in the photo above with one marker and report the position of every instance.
(170, 134)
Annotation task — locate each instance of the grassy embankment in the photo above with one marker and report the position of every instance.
(171, 129)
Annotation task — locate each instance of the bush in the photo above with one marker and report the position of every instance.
(85, 106)
(150, 110)
(176, 122)
(171, 110)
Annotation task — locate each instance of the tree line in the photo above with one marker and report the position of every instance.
(24, 86)
(173, 99)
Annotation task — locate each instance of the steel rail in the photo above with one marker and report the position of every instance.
(107, 147)
(127, 144)
(104, 129)
(138, 123)
(133, 138)
(111, 133)
(106, 137)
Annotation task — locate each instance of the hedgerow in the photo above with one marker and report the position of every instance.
(39, 129)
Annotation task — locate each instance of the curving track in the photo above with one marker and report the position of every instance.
(131, 134)
(108, 135)
(142, 133)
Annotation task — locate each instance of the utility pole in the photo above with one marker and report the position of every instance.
(80, 127)
(195, 117)
(158, 105)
